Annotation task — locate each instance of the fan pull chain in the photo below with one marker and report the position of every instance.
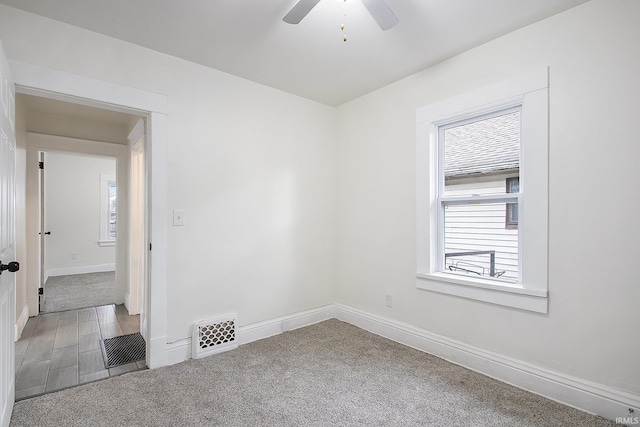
(344, 19)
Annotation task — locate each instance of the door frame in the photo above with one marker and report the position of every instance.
(136, 230)
(59, 85)
(38, 144)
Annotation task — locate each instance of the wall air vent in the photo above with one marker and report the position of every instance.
(214, 336)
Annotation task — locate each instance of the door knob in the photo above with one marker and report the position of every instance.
(12, 267)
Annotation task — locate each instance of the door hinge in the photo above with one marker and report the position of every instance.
(40, 291)
(40, 165)
(149, 246)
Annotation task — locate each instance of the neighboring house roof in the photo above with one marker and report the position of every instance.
(487, 146)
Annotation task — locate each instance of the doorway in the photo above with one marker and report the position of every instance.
(153, 107)
(78, 140)
(78, 230)
(90, 227)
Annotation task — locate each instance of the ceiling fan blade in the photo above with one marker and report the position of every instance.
(381, 13)
(299, 11)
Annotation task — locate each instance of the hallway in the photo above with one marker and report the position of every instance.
(60, 350)
(79, 291)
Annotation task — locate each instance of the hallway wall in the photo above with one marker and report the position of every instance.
(73, 214)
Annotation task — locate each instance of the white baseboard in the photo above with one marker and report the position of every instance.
(66, 271)
(268, 328)
(588, 396)
(157, 352)
(179, 351)
(21, 322)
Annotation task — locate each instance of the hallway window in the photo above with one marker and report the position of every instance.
(108, 209)
(112, 210)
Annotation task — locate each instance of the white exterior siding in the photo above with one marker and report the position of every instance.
(480, 227)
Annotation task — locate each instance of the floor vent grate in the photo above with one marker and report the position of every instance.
(214, 336)
(124, 349)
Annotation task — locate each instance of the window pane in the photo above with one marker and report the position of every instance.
(512, 213)
(112, 198)
(474, 235)
(112, 225)
(113, 201)
(478, 155)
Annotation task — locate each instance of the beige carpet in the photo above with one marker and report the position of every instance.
(328, 374)
(79, 291)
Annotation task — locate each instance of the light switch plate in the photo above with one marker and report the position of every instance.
(178, 217)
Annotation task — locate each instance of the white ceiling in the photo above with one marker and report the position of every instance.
(53, 117)
(248, 38)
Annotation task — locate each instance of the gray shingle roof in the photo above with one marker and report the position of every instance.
(486, 146)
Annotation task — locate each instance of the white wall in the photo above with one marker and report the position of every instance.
(253, 168)
(591, 329)
(73, 213)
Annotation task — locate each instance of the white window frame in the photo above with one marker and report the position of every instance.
(530, 292)
(105, 239)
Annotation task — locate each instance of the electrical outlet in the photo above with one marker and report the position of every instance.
(389, 300)
(74, 255)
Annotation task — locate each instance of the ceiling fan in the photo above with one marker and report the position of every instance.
(377, 8)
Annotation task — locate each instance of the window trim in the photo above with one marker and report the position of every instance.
(531, 291)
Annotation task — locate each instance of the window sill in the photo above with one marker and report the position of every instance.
(484, 290)
(103, 243)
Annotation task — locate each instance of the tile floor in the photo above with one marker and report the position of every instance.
(60, 350)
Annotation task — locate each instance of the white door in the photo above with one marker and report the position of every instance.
(7, 241)
(43, 235)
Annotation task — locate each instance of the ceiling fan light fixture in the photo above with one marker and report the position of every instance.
(344, 19)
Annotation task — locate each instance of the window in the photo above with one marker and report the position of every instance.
(511, 215)
(112, 210)
(482, 194)
(108, 209)
(474, 155)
